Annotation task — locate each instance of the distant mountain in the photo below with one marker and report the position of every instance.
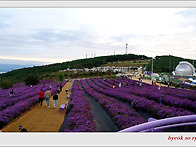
(9, 67)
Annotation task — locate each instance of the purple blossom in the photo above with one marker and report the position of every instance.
(22, 100)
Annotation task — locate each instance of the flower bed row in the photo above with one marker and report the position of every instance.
(80, 118)
(17, 85)
(99, 84)
(155, 109)
(24, 93)
(152, 93)
(180, 93)
(50, 81)
(14, 111)
(121, 114)
(163, 98)
(43, 82)
(157, 95)
(10, 108)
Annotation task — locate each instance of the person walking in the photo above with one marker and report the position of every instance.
(168, 84)
(11, 92)
(48, 95)
(58, 88)
(119, 85)
(183, 85)
(41, 97)
(66, 90)
(159, 87)
(55, 98)
(61, 87)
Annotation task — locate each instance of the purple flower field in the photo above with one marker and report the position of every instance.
(17, 85)
(80, 119)
(42, 82)
(22, 100)
(123, 103)
(149, 92)
(122, 115)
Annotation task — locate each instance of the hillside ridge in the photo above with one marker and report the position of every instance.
(165, 63)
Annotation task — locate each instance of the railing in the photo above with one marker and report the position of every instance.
(154, 124)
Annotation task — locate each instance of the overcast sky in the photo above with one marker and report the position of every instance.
(53, 35)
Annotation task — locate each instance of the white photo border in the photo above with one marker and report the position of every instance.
(96, 139)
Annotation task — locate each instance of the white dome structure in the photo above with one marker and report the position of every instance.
(185, 69)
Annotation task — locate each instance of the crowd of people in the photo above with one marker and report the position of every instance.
(48, 94)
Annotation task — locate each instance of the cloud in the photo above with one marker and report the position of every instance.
(63, 34)
(4, 25)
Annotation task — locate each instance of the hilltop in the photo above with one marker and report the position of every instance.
(167, 63)
(161, 64)
(52, 69)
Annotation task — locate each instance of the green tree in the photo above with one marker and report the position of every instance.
(61, 76)
(32, 80)
(5, 84)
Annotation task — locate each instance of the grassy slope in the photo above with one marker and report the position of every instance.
(127, 63)
(161, 64)
(43, 71)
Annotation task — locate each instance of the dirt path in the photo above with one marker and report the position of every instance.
(42, 119)
(147, 81)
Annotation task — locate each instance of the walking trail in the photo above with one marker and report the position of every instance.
(147, 81)
(42, 118)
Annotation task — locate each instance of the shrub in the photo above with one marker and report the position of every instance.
(61, 76)
(5, 84)
(32, 80)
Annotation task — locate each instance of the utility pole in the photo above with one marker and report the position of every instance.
(169, 65)
(86, 56)
(126, 48)
(69, 73)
